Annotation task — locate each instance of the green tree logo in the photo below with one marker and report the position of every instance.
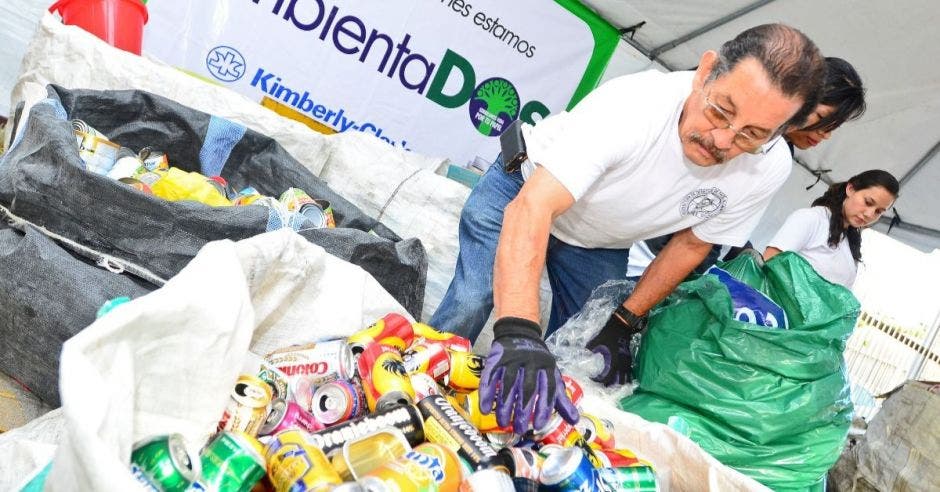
(493, 105)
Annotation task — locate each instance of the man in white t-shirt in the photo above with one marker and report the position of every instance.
(641, 156)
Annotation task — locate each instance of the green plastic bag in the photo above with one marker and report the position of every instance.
(772, 403)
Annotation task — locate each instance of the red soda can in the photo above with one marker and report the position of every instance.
(448, 340)
(558, 431)
(393, 329)
(287, 415)
(384, 380)
(338, 401)
(427, 357)
(574, 390)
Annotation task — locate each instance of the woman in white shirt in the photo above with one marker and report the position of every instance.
(828, 234)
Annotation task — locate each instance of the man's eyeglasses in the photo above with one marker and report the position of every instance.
(748, 140)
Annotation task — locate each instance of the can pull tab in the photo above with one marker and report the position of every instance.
(110, 265)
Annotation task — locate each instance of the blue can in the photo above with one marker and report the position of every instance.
(567, 470)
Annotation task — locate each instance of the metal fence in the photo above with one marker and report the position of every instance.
(881, 355)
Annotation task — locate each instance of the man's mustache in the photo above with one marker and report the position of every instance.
(709, 145)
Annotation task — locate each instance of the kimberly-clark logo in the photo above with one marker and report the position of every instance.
(225, 63)
(493, 105)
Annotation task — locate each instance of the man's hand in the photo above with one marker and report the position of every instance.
(520, 377)
(613, 342)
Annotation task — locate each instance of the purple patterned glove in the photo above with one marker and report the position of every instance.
(613, 342)
(520, 377)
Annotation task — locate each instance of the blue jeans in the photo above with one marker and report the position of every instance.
(573, 272)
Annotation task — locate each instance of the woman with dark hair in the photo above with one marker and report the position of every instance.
(828, 234)
(842, 100)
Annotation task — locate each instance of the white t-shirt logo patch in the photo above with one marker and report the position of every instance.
(704, 203)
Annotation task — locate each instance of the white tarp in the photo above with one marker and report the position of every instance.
(166, 363)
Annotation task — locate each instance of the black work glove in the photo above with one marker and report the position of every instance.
(521, 380)
(613, 342)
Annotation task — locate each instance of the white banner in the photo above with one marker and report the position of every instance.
(437, 77)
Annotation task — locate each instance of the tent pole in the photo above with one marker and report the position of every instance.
(655, 52)
(920, 164)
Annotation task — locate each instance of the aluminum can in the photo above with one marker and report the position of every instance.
(428, 357)
(154, 160)
(597, 432)
(327, 208)
(639, 478)
(248, 406)
(96, 150)
(449, 340)
(384, 380)
(465, 371)
(423, 385)
(522, 462)
(232, 462)
(294, 463)
(338, 401)
(137, 185)
(503, 439)
(311, 365)
(427, 467)
(566, 470)
(470, 404)
(246, 196)
(163, 464)
(445, 425)
(557, 431)
(126, 166)
(360, 456)
(297, 200)
(286, 415)
(392, 329)
(405, 418)
(487, 480)
(277, 380)
(574, 390)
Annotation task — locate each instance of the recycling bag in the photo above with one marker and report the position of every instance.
(44, 181)
(772, 403)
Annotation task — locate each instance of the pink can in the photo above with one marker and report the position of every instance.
(287, 415)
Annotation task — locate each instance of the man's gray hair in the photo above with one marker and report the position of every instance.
(792, 61)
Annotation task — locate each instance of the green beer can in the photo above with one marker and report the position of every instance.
(232, 462)
(637, 478)
(163, 464)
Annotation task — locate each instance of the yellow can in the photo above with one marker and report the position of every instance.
(428, 466)
(293, 464)
(465, 370)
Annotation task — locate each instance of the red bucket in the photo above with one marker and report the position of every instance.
(120, 23)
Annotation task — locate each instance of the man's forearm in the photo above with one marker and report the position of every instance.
(520, 257)
(673, 264)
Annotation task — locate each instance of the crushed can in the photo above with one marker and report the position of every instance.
(597, 432)
(360, 456)
(286, 415)
(427, 357)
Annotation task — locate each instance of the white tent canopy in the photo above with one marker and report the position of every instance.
(891, 44)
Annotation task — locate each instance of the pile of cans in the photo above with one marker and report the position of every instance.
(395, 407)
(149, 171)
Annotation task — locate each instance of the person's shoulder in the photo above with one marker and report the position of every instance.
(811, 214)
(652, 85)
(775, 164)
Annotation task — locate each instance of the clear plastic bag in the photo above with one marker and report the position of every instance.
(568, 342)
